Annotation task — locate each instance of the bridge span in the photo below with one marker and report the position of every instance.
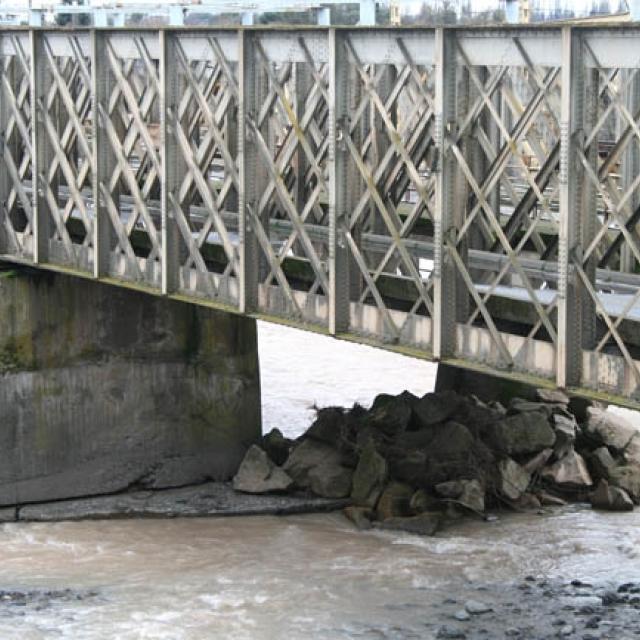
(470, 195)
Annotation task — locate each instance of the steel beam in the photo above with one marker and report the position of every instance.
(338, 176)
(173, 165)
(444, 270)
(103, 160)
(248, 107)
(5, 179)
(42, 151)
(569, 347)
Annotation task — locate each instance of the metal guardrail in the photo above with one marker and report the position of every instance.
(400, 186)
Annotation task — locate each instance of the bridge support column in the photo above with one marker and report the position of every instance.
(103, 388)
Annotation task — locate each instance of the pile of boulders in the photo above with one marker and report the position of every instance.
(410, 463)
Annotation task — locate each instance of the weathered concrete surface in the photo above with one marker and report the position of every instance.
(102, 388)
(209, 499)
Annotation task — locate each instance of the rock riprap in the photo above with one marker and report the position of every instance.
(412, 464)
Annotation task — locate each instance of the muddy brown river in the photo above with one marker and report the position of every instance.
(301, 577)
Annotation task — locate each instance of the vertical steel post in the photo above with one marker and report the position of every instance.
(338, 161)
(302, 84)
(630, 163)
(5, 180)
(444, 271)
(569, 349)
(247, 165)
(104, 162)
(172, 160)
(43, 154)
(231, 138)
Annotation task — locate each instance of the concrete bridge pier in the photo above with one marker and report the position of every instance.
(103, 388)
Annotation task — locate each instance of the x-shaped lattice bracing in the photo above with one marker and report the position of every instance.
(76, 110)
(134, 118)
(398, 160)
(541, 86)
(198, 159)
(296, 140)
(18, 128)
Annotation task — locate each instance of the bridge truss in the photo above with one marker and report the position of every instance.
(467, 195)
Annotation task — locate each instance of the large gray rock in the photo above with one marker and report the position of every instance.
(451, 489)
(370, 477)
(514, 480)
(472, 496)
(566, 430)
(276, 446)
(601, 463)
(627, 477)
(610, 498)
(360, 516)
(534, 464)
(569, 473)
(330, 480)
(391, 414)
(552, 396)
(258, 474)
(103, 388)
(520, 405)
(609, 429)
(434, 408)
(632, 451)
(308, 455)
(521, 434)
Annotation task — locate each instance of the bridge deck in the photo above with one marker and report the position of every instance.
(468, 195)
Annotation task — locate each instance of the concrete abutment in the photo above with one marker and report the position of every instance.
(104, 388)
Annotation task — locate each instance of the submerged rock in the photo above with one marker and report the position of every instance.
(425, 524)
(421, 501)
(360, 516)
(258, 474)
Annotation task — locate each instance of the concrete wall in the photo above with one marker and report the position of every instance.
(102, 388)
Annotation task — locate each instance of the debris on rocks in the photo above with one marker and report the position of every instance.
(411, 464)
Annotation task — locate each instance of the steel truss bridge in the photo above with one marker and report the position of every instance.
(466, 195)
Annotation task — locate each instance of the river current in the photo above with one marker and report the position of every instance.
(296, 577)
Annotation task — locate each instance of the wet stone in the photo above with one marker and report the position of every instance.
(447, 632)
(475, 607)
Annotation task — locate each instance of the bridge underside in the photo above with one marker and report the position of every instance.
(466, 195)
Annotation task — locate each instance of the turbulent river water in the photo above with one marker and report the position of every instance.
(297, 577)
